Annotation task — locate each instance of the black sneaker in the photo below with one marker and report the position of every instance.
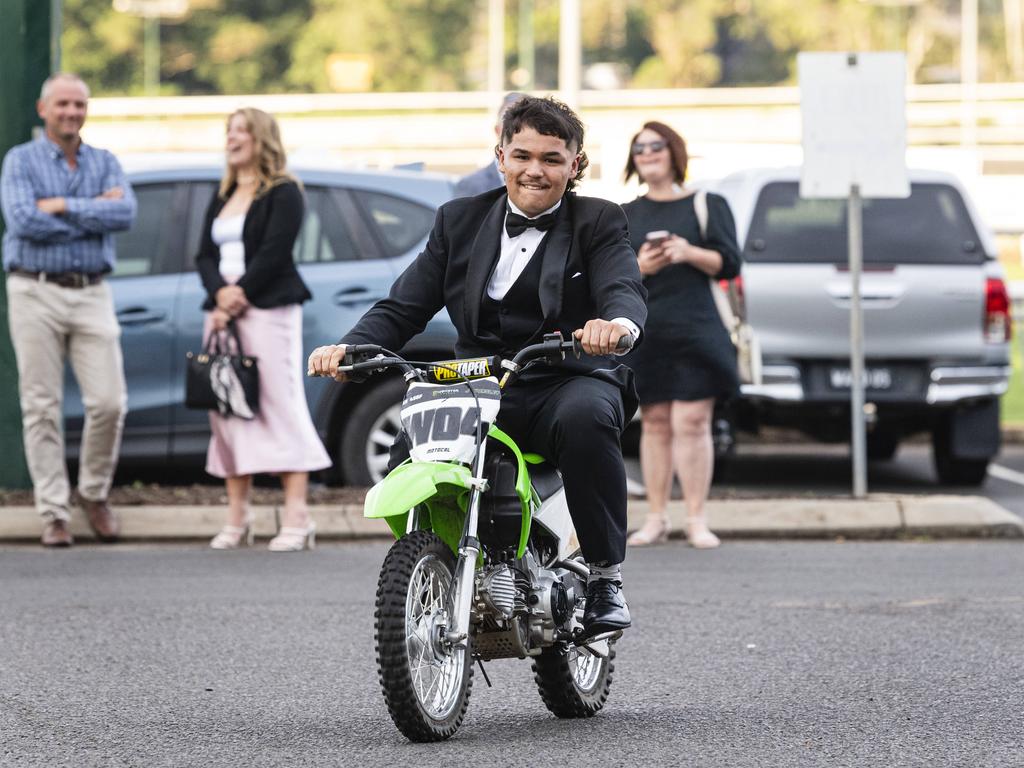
(606, 609)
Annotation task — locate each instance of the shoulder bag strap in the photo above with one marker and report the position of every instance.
(722, 303)
(700, 207)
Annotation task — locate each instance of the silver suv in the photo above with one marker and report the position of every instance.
(936, 317)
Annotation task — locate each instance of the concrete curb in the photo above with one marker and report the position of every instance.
(878, 517)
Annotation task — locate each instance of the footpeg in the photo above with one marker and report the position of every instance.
(598, 644)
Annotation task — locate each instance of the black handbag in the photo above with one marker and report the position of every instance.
(218, 380)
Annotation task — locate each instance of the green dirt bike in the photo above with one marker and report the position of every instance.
(485, 565)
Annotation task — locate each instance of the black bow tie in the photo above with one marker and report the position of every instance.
(515, 224)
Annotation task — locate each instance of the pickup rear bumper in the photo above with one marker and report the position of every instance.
(946, 385)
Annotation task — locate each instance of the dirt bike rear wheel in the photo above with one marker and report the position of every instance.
(572, 681)
(426, 683)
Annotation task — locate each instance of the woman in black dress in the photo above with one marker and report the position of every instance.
(687, 360)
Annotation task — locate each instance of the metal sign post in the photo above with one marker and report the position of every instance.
(858, 439)
(852, 108)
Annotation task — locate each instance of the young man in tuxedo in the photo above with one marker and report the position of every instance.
(510, 265)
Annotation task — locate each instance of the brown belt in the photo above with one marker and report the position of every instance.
(63, 279)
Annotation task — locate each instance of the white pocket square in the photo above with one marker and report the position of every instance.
(576, 275)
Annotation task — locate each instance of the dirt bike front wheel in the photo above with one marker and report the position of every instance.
(573, 682)
(426, 682)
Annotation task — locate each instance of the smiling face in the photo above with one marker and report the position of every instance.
(652, 157)
(537, 169)
(240, 145)
(64, 108)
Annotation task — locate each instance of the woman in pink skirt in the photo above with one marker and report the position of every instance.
(246, 265)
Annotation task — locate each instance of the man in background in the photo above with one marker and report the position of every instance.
(488, 177)
(62, 201)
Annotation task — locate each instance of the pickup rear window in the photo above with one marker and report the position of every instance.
(931, 226)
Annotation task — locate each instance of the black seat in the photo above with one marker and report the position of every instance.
(546, 480)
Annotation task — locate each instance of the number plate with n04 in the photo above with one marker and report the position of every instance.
(874, 378)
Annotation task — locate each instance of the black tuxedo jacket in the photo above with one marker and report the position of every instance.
(589, 270)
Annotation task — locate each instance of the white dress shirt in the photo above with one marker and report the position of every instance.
(516, 253)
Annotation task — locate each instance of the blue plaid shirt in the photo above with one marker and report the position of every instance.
(79, 240)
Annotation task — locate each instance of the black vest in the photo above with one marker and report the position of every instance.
(510, 324)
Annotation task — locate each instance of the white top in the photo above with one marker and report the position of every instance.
(516, 253)
(227, 234)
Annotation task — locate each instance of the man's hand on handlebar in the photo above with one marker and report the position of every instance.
(324, 361)
(600, 337)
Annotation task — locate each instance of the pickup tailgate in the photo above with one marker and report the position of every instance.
(923, 289)
(911, 311)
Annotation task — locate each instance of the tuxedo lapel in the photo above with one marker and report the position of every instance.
(482, 257)
(556, 255)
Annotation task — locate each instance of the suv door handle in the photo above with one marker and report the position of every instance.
(353, 297)
(139, 316)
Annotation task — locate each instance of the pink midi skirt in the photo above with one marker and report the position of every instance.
(282, 437)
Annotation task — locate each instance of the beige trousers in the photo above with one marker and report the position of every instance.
(50, 324)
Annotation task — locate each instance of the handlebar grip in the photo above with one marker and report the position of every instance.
(355, 352)
(624, 344)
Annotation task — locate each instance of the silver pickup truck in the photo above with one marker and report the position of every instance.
(936, 317)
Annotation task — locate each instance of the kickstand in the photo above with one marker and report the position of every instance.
(480, 663)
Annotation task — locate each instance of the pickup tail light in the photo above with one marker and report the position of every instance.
(998, 324)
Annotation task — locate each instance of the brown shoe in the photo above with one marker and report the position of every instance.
(56, 534)
(102, 520)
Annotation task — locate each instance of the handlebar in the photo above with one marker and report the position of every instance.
(369, 358)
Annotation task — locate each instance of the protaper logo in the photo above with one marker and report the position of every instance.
(466, 369)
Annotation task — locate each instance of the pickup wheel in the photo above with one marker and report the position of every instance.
(951, 469)
(370, 429)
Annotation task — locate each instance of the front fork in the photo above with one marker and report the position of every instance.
(469, 552)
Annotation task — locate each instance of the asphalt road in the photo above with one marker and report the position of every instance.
(816, 469)
(757, 654)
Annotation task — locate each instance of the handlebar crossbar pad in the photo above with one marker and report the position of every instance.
(447, 371)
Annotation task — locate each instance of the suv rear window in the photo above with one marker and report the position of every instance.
(931, 226)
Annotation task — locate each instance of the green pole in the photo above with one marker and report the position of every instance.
(25, 61)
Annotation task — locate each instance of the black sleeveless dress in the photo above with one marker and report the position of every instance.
(686, 352)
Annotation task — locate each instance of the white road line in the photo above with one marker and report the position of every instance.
(1004, 473)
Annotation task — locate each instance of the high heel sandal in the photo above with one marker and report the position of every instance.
(699, 535)
(294, 539)
(654, 531)
(232, 536)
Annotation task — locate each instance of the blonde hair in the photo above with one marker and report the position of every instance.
(269, 151)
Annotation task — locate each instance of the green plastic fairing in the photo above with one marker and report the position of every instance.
(442, 488)
(443, 491)
(522, 486)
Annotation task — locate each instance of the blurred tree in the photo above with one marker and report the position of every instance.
(270, 46)
(410, 45)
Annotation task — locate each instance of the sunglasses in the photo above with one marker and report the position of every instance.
(655, 146)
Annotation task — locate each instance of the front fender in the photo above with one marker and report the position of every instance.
(444, 486)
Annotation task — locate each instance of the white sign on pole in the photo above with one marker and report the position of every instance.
(853, 111)
(167, 9)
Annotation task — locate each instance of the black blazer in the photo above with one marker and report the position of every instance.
(271, 225)
(589, 271)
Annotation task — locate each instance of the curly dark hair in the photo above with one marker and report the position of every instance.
(550, 117)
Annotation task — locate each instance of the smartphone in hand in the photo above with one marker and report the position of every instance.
(657, 237)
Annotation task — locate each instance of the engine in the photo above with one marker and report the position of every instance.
(518, 616)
